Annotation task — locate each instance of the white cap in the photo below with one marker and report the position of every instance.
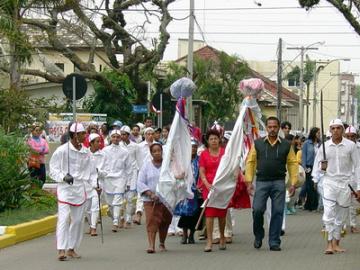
(126, 129)
(149, 129)
(77, 127)
(93, 136)
(350, 129)
(115, 131)
(336, 122)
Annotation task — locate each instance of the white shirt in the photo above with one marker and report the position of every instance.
(116, 168)
(342, 158)
(96, 160)
(133, 150)
(79, 161)
(143, 153)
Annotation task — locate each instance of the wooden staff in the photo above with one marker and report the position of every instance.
(201, 214)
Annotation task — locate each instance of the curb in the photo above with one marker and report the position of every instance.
(33, 229)
(28, 230)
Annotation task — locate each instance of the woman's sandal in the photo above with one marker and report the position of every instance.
(162, 247)
(207, 249)
(150, 251)
(328, 252)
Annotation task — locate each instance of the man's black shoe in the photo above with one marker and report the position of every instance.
(275, 248)
(257, 244)
(282, 233)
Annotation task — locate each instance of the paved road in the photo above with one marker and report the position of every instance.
(302, 249)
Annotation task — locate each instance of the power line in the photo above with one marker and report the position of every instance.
(262, 33)
(213, 9)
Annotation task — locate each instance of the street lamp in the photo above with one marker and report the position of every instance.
(316, 74)
(302, 52)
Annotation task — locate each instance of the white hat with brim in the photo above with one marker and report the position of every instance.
(77, 128)
(336, 122)
(93, 136)
(350, 129)
(149, 129)
(125, 129)
(115, 131)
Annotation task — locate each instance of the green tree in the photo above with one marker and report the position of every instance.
(104, 27)
(18, 110)
(217, 83)
(115, 103)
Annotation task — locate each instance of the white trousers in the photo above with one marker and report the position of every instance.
(70, 226)
(336, 208)
(128, 206)
(139, 204)
(115, 202)
(352, 213)
(173, 228)
(228, 227)
(92, 211)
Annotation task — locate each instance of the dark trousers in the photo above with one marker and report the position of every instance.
(275, 190)
(39, 174)
(311, 194)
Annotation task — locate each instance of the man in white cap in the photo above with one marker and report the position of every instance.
(116, 169)
(130, 193)
(351, 134)
(341, 157)
(93, 186)
(70, 168)
(142, 156)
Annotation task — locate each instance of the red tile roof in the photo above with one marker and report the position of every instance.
(209, 53)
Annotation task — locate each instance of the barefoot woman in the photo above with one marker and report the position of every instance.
(158, 217)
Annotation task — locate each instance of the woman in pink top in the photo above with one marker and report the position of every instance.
(38, 148)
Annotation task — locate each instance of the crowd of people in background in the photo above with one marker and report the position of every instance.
(120, 165)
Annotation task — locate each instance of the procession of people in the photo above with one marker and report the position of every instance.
(125, 169)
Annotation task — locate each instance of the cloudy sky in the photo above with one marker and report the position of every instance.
(252, 32)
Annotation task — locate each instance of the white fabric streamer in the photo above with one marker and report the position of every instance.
(176, 162)
(224, 182)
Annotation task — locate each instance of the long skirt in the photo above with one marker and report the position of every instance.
(158, 217)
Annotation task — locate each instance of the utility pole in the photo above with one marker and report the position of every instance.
(279, 80)
(301, 95)
(190, 58)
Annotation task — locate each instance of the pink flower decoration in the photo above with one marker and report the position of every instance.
(251, 87)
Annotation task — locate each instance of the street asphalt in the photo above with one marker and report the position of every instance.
(302, 248)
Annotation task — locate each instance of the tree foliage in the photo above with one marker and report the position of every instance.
(349, 9)
(104, 27)
(116, 103)
(14, 178)
(18, 110)
(308, 76)
(217, 84)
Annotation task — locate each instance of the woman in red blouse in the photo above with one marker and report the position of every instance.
(208, 164)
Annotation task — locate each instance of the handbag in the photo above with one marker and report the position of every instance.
(34, 161)
(186, 207)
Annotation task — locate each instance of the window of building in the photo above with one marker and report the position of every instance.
(293, 83)
(60, 66)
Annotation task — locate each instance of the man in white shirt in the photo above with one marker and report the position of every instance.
(116, 168)
(92, 186)
(130, 193)
(351, 134)
(142, 156)
(70, 168)
(341, 158)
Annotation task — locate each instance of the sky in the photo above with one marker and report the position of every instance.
(250, 31)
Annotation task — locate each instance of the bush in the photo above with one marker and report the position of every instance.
(14, 176)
